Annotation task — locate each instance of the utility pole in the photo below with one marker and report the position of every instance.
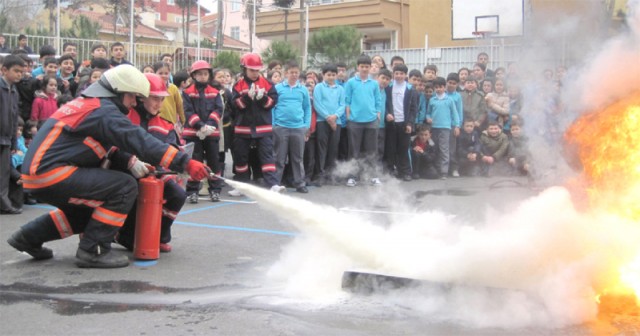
(220, 34)
(301, 31)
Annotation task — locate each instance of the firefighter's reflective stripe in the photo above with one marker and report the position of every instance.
(108, 217)
(169, 214)
(49, 178)
(269, 103)
(193, 120)
(241, 103)
(158, 129)
(215, 116)
(168, 157)
(95, 146)
(62, 223)
(242, 169)
(48, 141)
(264, 129)
(270, 167)
(87, 202)
(242, 130)
(189, 132)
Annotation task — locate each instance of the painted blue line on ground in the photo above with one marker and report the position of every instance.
(42, 206)
(236, 228)
(145, 263)
(221, 204)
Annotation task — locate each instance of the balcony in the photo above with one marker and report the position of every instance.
(383, 23)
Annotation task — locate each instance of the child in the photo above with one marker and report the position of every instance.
(494, 147)
(274, 76)
(12, 72)
(66, 67)
(182, 80)
(463, 74)
(498, 103)
(253, 98)
(423, 155)
(425, 88)
(46, 100)
(452, 92)
(172, 108)
(431, 72)
(291, 123)
(147, 69)
(473, 104)
(219, 82)
(46, 51)
(469, 151)
(402, 106)
(443, 117)
(94, 75)
(384, 78)
(415, 77)
(329, 105)
(363, 110)
(343, 145)
(117, 55)
(519, 156)
(16, 192)
(202, 109)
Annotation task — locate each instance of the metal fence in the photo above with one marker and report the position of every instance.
(143, 54)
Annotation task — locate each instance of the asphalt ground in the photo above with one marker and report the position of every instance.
(218, 280)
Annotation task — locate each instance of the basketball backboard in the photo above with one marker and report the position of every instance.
(490, 18)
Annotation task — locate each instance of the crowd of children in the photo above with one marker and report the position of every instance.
(287, 127)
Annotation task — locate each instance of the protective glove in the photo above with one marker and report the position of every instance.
(260, 93)
(197, 170)
(138, 168)
(252, 91)
(205, 131)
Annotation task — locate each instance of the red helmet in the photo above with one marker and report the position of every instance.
(200, 65)
(251, 61)
(157, 86)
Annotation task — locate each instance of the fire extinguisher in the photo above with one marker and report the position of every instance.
(148, 218)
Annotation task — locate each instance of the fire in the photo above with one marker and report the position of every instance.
(607, 145)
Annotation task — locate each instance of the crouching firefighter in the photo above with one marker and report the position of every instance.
(145, 115)
(63, 169)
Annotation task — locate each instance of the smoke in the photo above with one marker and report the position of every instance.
(538, 265)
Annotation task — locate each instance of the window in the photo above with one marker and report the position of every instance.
(177, 19)
(235, 32)
(157, 16)
(235, 5)
(171, 2)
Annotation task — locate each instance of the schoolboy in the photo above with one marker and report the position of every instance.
(71, 48)
(494, 146)
(46, 51)
(414, 77)
(99, 51)
(12, 72)
(423, 155)
(66, 67)
(26, 88)
(117, 55)
(328, 100)
(518, 154)
(343, 145)
(469, 151)
(384, 80)
(425, 89)
(443, 117)
(22, 44)
(431, 72)
(402, 103)
(396, 60)
(474, 105)
(363, 110)
(452, 92)
(291, 123)
(463, 74)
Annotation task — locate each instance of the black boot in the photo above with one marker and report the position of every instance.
(20, 243)
(106, 259)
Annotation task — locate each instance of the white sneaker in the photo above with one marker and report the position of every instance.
(376, 182)
(455, 173)
(351, 182)
(235, 193)
(278, 189)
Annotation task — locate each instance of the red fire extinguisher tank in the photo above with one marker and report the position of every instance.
(148, 218)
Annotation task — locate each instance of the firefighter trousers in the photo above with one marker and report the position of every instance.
(241, 147)
(207, 149)
(92, 201)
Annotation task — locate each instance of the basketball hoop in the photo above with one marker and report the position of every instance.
(482, 34)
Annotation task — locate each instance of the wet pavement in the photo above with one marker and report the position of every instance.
(216, 280)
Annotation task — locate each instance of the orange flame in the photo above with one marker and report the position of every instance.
(607, 145)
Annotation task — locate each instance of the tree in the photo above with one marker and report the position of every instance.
(82, 28)
(51, 5)
(185, 5)
(281, 51)
(228, 60)
(248, 14)
(286, 4)
(336, 44)
(115, 8)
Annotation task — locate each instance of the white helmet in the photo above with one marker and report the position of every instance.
(123, 78)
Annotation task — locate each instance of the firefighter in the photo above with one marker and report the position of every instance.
(63, 169)
(253, 98)
(203, 111)
(146, 115)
